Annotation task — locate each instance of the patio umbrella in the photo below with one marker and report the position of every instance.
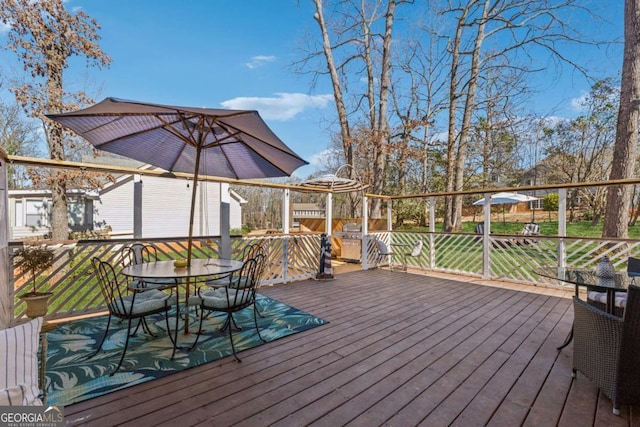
(505, 198)
(215, 142)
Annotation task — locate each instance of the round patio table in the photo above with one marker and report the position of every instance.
(200, 267)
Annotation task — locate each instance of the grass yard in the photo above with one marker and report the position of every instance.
(547, 228)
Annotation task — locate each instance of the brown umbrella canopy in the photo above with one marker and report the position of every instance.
(215, 142)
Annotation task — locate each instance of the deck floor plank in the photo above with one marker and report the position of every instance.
(399, 349)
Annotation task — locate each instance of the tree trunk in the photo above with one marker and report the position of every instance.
(59, 212)
(624, 152)
(456, 220)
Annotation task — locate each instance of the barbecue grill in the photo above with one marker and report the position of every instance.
(350, 239)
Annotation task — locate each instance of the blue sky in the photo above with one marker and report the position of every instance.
(236, 54)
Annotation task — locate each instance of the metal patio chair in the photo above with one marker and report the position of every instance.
(130, 306)
(237, 295)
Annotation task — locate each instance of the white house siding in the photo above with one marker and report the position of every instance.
(114, 208)
(166, 206)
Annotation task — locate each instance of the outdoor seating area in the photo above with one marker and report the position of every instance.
(422, 350)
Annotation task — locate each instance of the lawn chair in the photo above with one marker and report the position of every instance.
(415, 252)
(529, 229)
(384, 252)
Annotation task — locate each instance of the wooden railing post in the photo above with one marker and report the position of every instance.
(562, 227)
(6, 275)
(432, 229)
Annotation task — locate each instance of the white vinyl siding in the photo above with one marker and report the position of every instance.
(114, 208)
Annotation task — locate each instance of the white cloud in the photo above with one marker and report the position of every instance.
(260, 60)
(4, 28)
(577, 104)
(282, 107)
(320, 160)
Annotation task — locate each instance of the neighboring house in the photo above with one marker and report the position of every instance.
(306, 211)
(30, 210)
(132, 206)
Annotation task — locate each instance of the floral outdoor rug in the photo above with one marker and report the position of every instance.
(72, 377)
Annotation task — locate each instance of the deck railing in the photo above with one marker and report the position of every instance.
(296, 257)
(76, 291)
(508, 257)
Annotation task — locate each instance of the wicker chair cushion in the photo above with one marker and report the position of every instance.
(144, 302)
(601, 297)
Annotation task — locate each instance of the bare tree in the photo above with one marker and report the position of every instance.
(44, 36)
(509, 29)
(580, 148)
(358, 45)
(18, 136)
(625, 148)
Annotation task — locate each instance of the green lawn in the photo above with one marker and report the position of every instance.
(547, 228)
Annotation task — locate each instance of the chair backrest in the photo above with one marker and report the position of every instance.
(112, 291)
(261, 263)
(628, 372)
(249, 250)
(633, 266)
(417, 248)
(382, 247)
(244, 283)
(139, 253)
(480, 228)
(531, 229)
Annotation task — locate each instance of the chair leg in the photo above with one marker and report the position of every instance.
(103, 338)
(174, 339)
(124, 351)
(255, 321)
(256, 311)
(199, 330)
(233, 348)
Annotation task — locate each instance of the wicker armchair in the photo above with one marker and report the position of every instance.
(606, 349)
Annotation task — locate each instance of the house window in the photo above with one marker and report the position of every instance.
(76, 212)
(19, 214)
(536, 204)
(35, 213)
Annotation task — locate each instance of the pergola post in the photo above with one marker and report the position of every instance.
(328, 214)
(286, 213)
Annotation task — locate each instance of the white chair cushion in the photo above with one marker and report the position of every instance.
(19, 361)
(217, 292)
(601, 297)
(221, 300)
(144, 302)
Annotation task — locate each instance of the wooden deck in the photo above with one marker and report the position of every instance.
(399, 350)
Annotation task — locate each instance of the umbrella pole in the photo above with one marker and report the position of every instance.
(190, 240)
